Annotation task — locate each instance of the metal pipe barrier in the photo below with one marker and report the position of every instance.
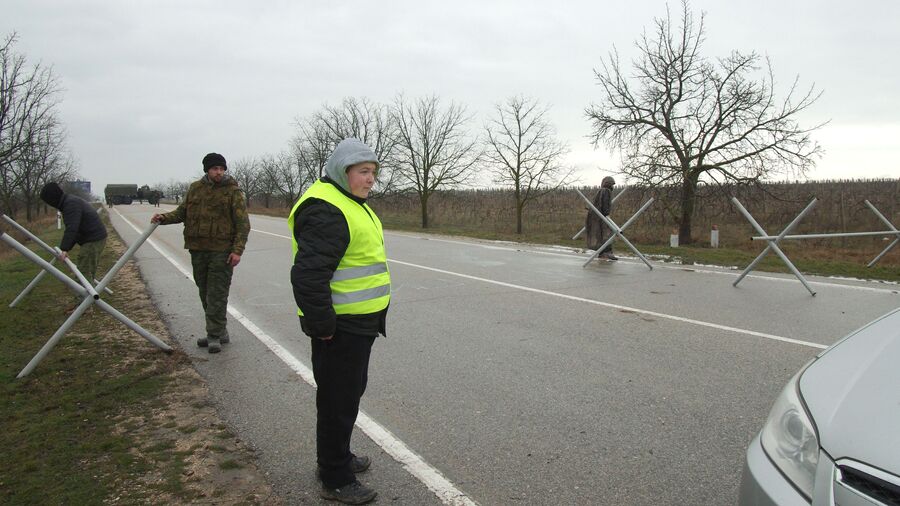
(879, 233)
(773, 240)
(611, 202)
(79, 276)
(85, 290)
(617, 231)
(40, 275)
(890, 226)
(773, 243)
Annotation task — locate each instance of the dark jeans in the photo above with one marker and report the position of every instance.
(212, 274)
(341, 368)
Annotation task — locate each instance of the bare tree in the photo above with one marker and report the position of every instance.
(283, 176)
(361, 119)
(176, 189)
(312, 145)
(523, 153)
(27, 116)
(44, 159)
(247, 174)
(434, 152)
(684, 119)
(369, 122)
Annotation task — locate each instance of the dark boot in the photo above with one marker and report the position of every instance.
(357, 465)
(351, 493)
(360, 464)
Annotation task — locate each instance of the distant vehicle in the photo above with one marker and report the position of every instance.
(120, 193)
(148, 194)
(833, 435)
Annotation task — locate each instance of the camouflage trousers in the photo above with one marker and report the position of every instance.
(89, 258)
(212, 274)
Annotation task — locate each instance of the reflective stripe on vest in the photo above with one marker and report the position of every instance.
(361, 284)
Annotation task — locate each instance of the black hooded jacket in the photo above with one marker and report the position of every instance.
(320, 248)
(83, 224)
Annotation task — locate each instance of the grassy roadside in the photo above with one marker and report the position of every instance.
(107, 418)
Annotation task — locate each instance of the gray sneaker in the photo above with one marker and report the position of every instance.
(351, 493)
(214, 346)
(203, 342)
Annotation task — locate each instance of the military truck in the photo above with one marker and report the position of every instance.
(120, 193)
(151, 196)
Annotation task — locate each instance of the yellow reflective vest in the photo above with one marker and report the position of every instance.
(362, 283)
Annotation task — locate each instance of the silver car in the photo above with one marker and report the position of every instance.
(833, 435)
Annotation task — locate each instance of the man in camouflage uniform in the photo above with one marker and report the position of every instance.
(216, 226)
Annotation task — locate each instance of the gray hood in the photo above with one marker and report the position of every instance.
(348, 152)
(852, 394)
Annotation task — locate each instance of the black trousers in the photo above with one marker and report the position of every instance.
(341, 368)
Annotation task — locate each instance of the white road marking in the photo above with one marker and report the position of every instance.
(411, 461)
(619, 307)
(269, 233)
(697, 269)
(500, 245)
(716, 326)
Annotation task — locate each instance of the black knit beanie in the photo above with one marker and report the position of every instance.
(51, 193)
(213, 160)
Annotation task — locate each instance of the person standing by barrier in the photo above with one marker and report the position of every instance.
(596, 230)
(342, 288)
(216, 226)
(83, 227)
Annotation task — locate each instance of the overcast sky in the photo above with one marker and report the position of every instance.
(152, 86)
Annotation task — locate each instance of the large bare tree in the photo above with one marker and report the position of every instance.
(28, 99)
(362, 119)
(369, 122)
(434, 151)
(680, 118)
(523, 153)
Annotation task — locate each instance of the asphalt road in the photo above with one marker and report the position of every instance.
(512, 375)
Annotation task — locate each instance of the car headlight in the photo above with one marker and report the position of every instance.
(789, 439)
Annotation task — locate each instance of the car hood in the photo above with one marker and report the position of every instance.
(853, 394)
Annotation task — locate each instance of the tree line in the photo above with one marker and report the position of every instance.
(33, 147)
(675, 116)
(423, 145)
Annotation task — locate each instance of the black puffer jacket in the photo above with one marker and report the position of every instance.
(320, 247)
(83, 224)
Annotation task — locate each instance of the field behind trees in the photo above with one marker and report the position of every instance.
(557, 216)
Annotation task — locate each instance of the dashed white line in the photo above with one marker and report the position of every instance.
(716, 326)
(619, 307)
(501, 245)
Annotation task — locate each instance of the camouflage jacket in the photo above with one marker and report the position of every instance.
(214, 216)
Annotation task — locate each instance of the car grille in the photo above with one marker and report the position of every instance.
(884, 489)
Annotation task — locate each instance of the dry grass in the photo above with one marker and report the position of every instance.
(107, 417)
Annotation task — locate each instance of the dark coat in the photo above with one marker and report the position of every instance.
(323, 236)
(83, 224)
(596, 231)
